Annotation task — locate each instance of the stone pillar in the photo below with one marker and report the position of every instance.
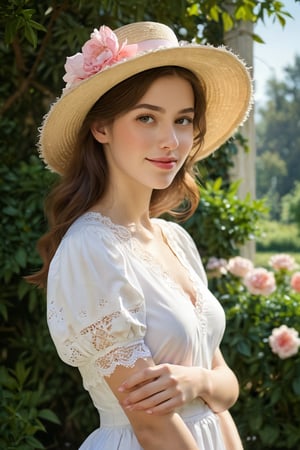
(240, 42)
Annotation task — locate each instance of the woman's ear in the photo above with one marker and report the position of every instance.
(100, 132)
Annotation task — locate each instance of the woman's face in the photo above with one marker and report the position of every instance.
(147, 145)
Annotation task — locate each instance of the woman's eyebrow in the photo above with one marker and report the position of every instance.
(160, 108)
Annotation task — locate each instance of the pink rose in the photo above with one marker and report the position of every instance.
(282, 261)
(284, 341)
(260, 281)
(74, 69)
(216, 267)
(102, 50)
(295, 281)
(239, 266)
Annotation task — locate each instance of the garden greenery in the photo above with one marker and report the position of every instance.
(267, 411)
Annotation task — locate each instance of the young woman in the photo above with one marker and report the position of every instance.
(128, 302)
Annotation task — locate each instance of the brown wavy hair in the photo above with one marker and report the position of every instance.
(86, 177)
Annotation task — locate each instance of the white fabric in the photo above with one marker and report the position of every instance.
(110, 302)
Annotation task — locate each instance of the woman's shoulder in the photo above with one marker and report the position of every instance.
(92, 239)
(94, 222)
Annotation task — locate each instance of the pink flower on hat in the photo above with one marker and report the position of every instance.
(102, 50)
(282, 261)
(239, 266)
(284, 341)
(295, 281)
(260, 281)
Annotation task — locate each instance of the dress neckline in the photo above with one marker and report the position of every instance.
(123, 233)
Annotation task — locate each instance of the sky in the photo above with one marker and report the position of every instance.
(281, 46)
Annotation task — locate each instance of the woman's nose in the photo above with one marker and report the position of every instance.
(169, 139)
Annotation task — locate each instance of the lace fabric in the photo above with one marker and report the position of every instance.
(122, 356)
(102, 336)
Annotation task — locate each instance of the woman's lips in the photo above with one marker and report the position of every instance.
(163, 163)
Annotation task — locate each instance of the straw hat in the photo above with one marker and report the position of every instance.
(110, 57)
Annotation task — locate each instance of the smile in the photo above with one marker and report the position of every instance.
(163, 163)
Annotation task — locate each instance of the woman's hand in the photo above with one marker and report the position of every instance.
(161, 389)
(164, 388)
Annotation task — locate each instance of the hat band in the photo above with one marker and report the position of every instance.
(152, 44)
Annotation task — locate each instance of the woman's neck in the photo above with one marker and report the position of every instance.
(127, 209)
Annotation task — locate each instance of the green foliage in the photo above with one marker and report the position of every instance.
(219, 163)
(223, 222)
(291, 206)
(222, 16)
(267, 412)
(33, 391)
(21, 215)
(20, 413)
(278, 139)
(278, 237)
(18, 18)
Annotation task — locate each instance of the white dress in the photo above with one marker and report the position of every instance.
(110, 302)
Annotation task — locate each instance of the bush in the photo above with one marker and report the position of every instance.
(34, 384)
(267, 412)
(291, 206)
(20, 410)
(278, 237)
(223, 222)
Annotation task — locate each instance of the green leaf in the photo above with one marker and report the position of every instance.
(21, 373)
(240, 13)
(21, 257)
(30, 34)
(27, 13)
(34, 443)
(37, 26)
(214, 13)
(227, 21)
(49, 415)
(243, 348)
(193, 10)
(257, 38)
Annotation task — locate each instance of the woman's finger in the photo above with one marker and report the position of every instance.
(139, 378)
(150, 402)
(148, 390)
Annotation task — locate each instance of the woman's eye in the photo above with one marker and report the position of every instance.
(145, 119)
(185, 121)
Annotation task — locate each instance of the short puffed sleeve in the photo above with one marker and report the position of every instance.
(95, 305)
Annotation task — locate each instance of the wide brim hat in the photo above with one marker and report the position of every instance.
(132, 49)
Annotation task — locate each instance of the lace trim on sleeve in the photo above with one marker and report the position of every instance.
(106, 331)
(122, 356)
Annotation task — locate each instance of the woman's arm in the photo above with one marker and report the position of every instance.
(220, 388)
(230, 433)
(163, 388)
(153, 432)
